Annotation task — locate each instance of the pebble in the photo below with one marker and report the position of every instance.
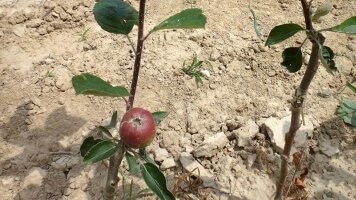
(211, 145)
(246, 132)
(277, 128)
(168, 163)
(35, 177)
(160, 154)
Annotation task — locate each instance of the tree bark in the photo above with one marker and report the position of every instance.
(298, 99)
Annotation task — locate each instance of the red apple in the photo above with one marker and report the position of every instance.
(137, 128)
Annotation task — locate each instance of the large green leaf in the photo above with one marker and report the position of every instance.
(87, 144)
(322, 10)
(192, 18)
(89, 84)
(156, 181)
(347, 112)
(159, 116)
(133, 166)
(115, 16)
(282, 32)
(326, 56)
(353, 88)
(348, 26)
(101, 151)
(292, 59)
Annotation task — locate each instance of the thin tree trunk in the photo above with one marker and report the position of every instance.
(115, 161)
(298, 101)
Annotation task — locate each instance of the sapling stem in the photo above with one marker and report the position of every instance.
(139, 48)
(115, 160)
(298, 99)
(113, 179)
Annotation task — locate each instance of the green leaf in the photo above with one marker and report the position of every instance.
(348, 26)
(322, 10)
(255, 22)
(282, 32)
(353, 88)
(156, 181)
(192, 18)
(159, 116)
(292, 59)
(87, 144)
(133, 166)
(115, 16)
(326, 56)
(347, 112)
(113, 121)
(89, 84)
(101, 151)
(105, 132)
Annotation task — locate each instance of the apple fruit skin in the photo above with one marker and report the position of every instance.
(137, 128)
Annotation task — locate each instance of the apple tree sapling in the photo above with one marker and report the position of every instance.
(137, 127)
(292, 60)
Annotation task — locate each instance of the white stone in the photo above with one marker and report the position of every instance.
(65, 162)
(19, 30)
(168, 163)
(329, 147)
(63, 79)
(191, 165)
(35, 177)
(246, 132)
(278, 128)
(160, 154)
(205, 73)
(211, 145)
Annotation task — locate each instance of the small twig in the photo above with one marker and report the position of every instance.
(131, 44)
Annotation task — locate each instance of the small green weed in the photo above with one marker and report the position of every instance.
(197, 69)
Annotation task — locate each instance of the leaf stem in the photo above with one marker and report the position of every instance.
(131, 44)
(298, 101)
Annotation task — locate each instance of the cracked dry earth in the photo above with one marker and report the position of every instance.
(223, 132)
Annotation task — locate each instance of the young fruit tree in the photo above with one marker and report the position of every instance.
(137, 128)
(292, 60)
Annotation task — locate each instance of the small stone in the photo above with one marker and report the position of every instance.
(19, 30)
(211, 145)
(36, 101)
(205, 73)
(30, 106)
(7, 180)
(35, 23)
(35, 177)
(329, 147)
(214, 55)
(251, 158)
(246, 132)
(65, 162)
(28, 121)
(277, 128)
(63, 79)
(193, 166)
(168, 163)
(160, 154)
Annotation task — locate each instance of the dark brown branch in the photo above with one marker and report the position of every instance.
(115, 160)
(137, 64)
(298, 100)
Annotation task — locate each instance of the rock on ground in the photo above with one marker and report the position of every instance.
(278, 128)
(211, 145)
